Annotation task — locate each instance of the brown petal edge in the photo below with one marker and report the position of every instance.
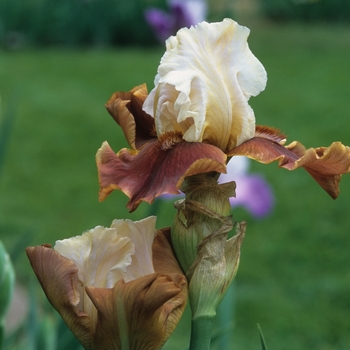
(325, 164)
(126, 110)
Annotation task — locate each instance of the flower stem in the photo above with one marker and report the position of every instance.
(201, 333)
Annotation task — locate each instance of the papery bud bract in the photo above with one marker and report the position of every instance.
(200, 239)
(192, 223)
(214, 269)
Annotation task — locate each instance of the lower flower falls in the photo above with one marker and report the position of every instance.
(126, 286)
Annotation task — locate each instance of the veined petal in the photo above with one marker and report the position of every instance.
(324, 164)
(126, 110)
(58, 277)
(133, 305)
(203, 85)
(158, 167)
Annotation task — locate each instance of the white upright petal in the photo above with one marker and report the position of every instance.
(203, 85)
(142, 234)
(96, 253)
(103, 256)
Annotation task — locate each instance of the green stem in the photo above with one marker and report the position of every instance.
(225, 318)
(201, 333)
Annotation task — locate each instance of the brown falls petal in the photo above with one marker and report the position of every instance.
(164, 261)
(58, 277)
(270, 133)
(154, 169)
(126, 110)
(324, 164)
(134, 315)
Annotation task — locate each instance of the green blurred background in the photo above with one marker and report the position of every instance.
(59, 63)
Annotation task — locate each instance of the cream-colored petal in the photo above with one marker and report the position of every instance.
(142, 234)
(96, 252)
(102, 257)
(203, 85)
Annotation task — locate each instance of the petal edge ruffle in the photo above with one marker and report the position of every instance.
(126, 110)
(154, 169)
(324, 164)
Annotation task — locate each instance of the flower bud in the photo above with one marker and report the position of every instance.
(200, 239)
(200, 214)
(214, 269)
(116, 288)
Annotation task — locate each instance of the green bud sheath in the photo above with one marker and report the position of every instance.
(214, 269)
(209, 258)
(200, 214)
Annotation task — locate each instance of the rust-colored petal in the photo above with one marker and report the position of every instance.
(324, 164)
(126, 109)
(164, 261)
(158, 167)
(141, 314)
(58, 277)
(134, 315)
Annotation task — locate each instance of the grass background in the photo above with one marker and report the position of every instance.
(294, 276)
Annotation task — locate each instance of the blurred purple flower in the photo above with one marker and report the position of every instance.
(253, 192)
(182, 13)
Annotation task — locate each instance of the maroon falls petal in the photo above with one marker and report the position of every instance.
(324, 164)
(126, 110)
(158, 167)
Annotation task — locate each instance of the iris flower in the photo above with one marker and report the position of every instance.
(197, 117)
(108, 283)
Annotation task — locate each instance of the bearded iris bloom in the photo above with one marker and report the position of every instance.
(197, 117)
(109, 282)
